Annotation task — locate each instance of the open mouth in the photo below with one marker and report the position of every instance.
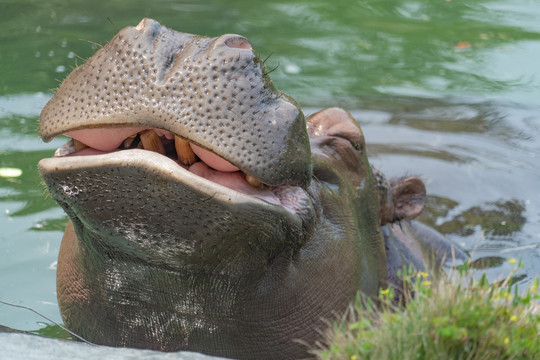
(186, 154)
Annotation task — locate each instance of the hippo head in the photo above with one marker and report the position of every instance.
(230, 236)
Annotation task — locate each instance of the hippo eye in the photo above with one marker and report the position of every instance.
(337, 123)
(354, 137)
(358, 142)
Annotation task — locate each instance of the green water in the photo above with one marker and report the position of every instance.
(447, 90)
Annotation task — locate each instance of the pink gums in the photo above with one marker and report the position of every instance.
(107, 139)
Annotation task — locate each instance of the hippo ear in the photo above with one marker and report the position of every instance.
(409, 197)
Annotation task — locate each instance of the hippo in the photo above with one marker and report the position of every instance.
(206, 212)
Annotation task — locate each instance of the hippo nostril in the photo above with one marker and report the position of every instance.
(149, 27)
(238, 42)
(142, 24)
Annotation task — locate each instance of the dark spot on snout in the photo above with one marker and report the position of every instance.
(238, 42)
(170, 60)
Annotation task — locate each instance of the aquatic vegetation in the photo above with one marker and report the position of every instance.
(454, 318)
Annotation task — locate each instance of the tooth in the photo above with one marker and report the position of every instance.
(79, 145)
(129, 141)
(252, 181)
(185, 155)
(65, 150)
(150, 141)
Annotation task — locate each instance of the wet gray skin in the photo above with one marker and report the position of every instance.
(158, 257)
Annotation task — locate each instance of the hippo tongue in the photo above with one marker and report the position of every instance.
(232, 180)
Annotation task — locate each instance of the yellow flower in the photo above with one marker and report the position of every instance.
(422, 274)
(385, 291)
(512, 261)
(354, 357)
(506, 341)
(513, 318)
(426, 282)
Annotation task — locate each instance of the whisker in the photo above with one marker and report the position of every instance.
(108, 18)
(274, 69)
(92, 42)
(268, 57)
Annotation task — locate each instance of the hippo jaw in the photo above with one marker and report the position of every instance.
(157, 241)
(211, 93)
(143, 205)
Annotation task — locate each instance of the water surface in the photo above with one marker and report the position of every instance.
(447, 90)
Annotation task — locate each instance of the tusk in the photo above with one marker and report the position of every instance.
(185, 155)
(252, 181)
(150, 141)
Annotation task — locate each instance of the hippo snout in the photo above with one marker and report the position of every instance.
(212, 92)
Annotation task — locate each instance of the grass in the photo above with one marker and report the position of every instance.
(454, 318)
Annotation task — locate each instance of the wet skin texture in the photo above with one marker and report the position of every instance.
(158, 257)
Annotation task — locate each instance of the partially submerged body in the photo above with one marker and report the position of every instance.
(206, 213)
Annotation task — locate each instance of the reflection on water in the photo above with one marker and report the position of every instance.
(497, 220)
(447, 90)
